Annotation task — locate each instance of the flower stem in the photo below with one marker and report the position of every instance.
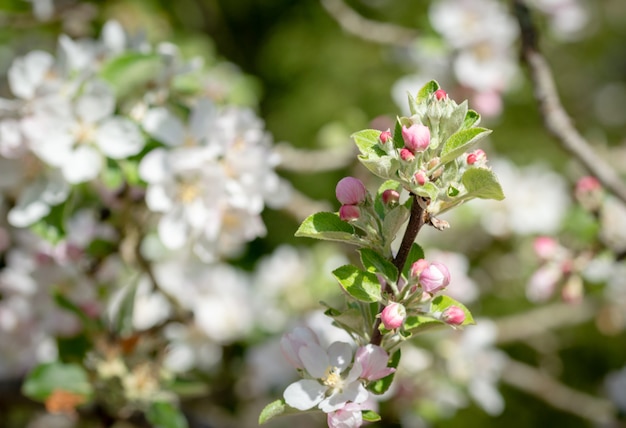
(417, 219)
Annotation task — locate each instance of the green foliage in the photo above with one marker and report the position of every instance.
(370, 416)
(460, 142)
(327, 226)
(162, 414)
(482, 183)
(363, 286)
(44, 379)
(129, 71)
(374, 262)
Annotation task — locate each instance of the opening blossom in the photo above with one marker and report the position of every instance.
(432, 277)
(416, 137)
(350, 191)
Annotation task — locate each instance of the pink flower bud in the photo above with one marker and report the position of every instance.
(545, 247)
(434, 278)
(587, 184)
(417, 268)
(385, 136)
(420, 177)
(453, 315)
(393, 316)
(349, 212)
(477, 156)
(350, 191)
(440, 94)
(589, 193)
(416, 137)
(406, 155)
(390, 197)
(373, 360)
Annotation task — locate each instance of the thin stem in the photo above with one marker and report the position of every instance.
(416, 221)
(555, 118)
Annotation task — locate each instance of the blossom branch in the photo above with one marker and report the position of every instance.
(556, 120)
(533, 381)
(416, 221)
(367, 29)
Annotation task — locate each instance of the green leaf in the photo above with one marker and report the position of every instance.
(367, 141)
(426, 91)
(130, 71)
(275, 408)
(417, 324)
(482, 183)
(376, 263)
(428, 190)
(326, 226)
(393, 222)
(415, 254)
(350, 319)
(67, 304)
(363, 286)
(162, 414)
(370, 416)
(382, 385)
(398, 141)
(382, 166)
(453, 123)
(471, 119)
(123, 319)
(442, 302)
(45, 378)
(460, 142)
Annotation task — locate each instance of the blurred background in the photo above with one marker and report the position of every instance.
(544, 352)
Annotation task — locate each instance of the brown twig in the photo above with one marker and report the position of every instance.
(535, 382)
(416, 221)
(367, 29)
(555, 118)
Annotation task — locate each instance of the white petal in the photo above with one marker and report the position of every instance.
(113, 36)
(96, 102)
(354, 392)
(119, 138)
(83, 164)
(157, 198)
(27, 73)
(314, 359)
(202, 119)
(164, 126)
(340, 355)
(173, 229)
(30, 207)
(11, 140)
(304, 394)
(74, 55)
(197, 213)
(56, 190)
(154, 167)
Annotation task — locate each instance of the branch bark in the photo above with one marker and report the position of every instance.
(555, 118)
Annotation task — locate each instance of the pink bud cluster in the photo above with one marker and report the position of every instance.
(432, 277)
(478, 158)
(351, 193)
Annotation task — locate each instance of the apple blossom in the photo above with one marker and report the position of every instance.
(393, 316)
(453, 315)
(390, 197)
(373, 360)
(416, 137)
(434, 277)
(349, 416)
(349, 212)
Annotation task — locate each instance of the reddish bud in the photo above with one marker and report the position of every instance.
(420, 177)
(393, 316)
(406, 155)
(477, 156)
(453, 315)
(390, 196)
(350, 191)
(349, 212)
(440, 94)
(416, 137)
(587, 184)
(385, 136)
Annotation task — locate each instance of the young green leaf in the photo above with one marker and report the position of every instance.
(367, 141)
(426, 90)
(460, 142)
(370, 416)
(376, 263)
(326, 226)
(275, 408)
(471, 119)
(482, 183)
(363, 286)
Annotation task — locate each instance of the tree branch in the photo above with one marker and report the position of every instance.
(555, 118)
(533, 381)
(366, 29)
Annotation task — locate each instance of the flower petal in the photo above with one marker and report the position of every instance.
(304, 394)
(119, 138)
(314, 359)
(161, 124)
(173, 229)
(83, 164)
(340, 355)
